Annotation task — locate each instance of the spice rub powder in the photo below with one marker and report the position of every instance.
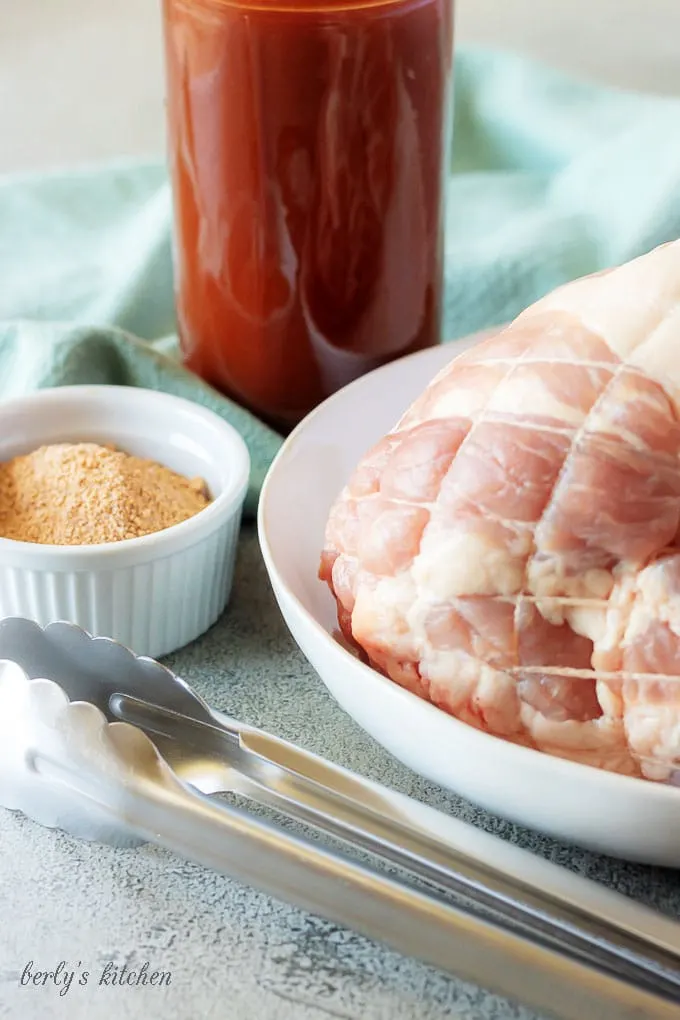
(86, 494)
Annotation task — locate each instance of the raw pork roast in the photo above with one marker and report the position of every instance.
(511, 551)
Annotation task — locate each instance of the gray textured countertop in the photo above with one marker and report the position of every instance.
(231, 952)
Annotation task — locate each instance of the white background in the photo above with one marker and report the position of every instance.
(82, 80)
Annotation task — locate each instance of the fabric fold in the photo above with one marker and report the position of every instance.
(550, 179)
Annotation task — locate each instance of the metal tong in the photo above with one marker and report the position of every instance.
(527, 929)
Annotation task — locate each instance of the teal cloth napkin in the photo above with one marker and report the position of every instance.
(550, 179)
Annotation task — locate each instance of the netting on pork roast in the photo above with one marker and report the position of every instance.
(511, 552)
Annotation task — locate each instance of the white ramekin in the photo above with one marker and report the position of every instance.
(154, 593)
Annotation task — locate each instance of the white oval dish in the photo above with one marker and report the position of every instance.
(154, 593)
(629, 818)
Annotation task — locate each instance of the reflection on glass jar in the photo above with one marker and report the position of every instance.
(308, 143)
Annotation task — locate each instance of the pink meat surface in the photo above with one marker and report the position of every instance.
(508, 551)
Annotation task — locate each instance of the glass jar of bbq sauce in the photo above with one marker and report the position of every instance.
(308, 144)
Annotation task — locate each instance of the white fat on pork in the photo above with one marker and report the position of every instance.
(508, 551)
